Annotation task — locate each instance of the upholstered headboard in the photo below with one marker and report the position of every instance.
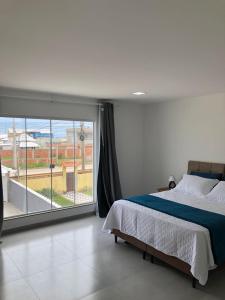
(207, 167)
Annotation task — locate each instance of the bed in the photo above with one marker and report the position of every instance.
(179, 243)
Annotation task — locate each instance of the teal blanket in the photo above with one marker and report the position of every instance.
(214, 222)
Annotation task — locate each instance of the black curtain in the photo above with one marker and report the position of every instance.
(108, 185)
(1, 200)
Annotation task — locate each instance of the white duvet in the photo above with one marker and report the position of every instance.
(185, 240)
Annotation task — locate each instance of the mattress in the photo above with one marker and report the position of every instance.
(185, 240)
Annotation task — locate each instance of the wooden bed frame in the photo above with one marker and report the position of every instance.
(195, 166)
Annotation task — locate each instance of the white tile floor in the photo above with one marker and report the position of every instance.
(75, 260)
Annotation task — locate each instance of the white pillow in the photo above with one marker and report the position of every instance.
(195, 185)
(218, 192)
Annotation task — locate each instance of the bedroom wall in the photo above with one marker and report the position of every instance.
(129, 129)
(182, 130)
(23, 106)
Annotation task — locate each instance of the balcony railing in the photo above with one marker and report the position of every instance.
(22, 200)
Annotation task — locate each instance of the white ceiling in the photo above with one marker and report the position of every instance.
(109, 49)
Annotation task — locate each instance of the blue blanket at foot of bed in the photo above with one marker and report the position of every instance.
(214, 222)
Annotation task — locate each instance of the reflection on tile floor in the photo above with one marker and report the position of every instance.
(75, 260)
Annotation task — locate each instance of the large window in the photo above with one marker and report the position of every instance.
(46, 164)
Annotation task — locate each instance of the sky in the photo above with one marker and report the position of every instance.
(58, 126)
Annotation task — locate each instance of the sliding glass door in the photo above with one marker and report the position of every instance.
(63, 159)
(84, 158)
(38, 145)
(46, 164)
(13, 159)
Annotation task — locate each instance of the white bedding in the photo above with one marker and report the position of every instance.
(185, 240)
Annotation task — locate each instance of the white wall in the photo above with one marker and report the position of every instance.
(182, 130)
(129, 130)
(46, 109)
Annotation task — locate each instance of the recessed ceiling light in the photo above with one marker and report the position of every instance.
(138, 93)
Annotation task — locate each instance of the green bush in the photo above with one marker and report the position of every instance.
(56, 197)
(33, 165)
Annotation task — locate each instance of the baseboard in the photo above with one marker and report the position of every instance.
(43, 219)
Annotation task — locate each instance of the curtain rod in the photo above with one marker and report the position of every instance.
(51, 100)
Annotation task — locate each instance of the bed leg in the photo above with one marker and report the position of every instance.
(152, 259)
(194, 282)
(115, 236)
(144, 255)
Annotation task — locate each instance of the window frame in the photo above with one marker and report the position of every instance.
(94, 172)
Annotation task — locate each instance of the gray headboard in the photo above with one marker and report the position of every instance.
(207, 167)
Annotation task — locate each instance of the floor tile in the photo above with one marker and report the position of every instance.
(17, 290)
(116, 262)
(109, 293)
(8, 270)
(70, 281)
(86, 246)
(76, 260)
(31, 260)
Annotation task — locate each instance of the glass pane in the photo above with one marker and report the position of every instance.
(38, 135)
(45, 164)
(84, 162)
(63, 177)
(13, 157)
